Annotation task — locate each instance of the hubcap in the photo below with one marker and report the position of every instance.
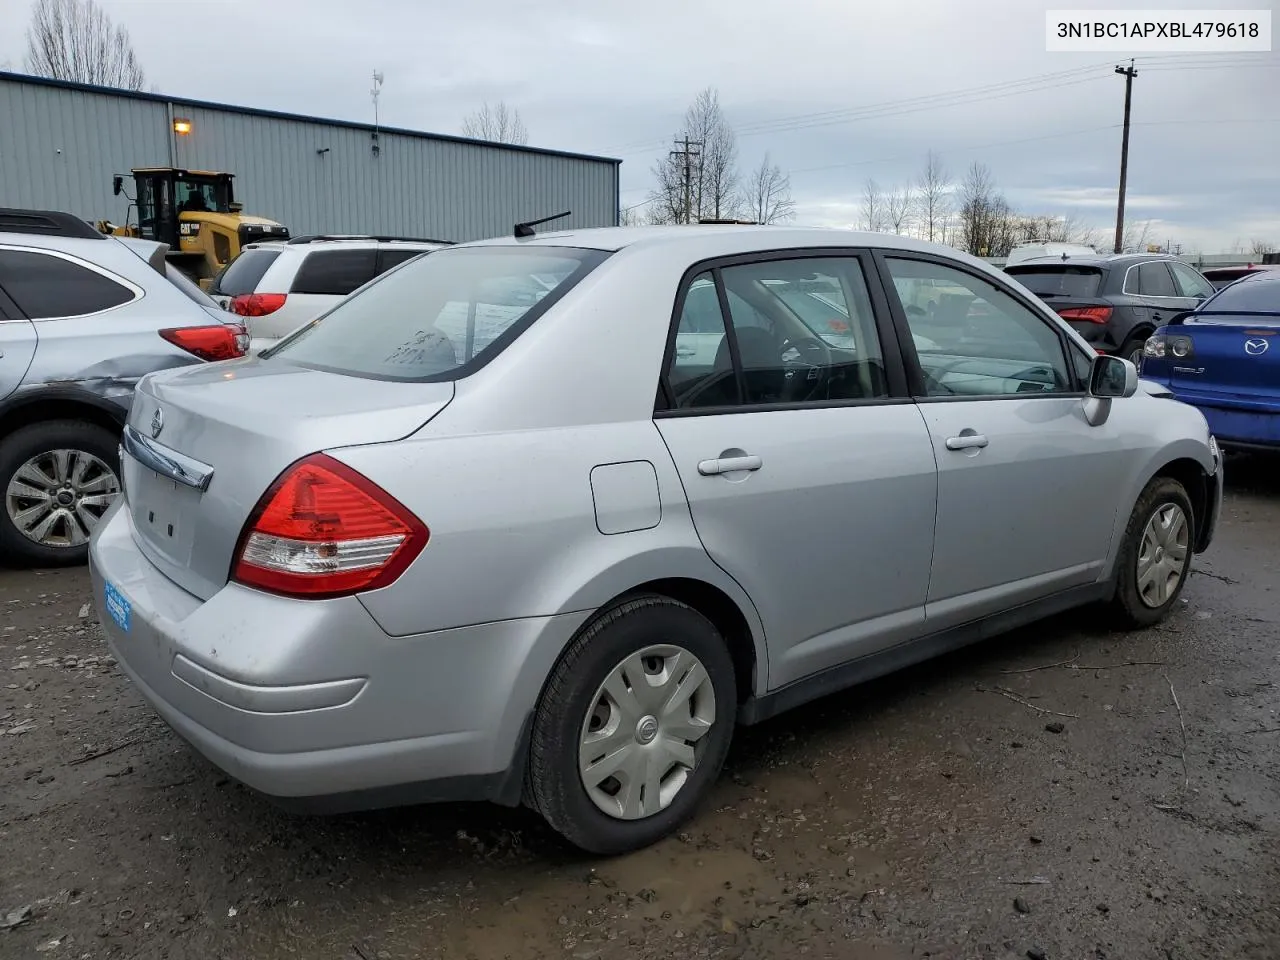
(57, 497)
(645, 731)
(1163, 554)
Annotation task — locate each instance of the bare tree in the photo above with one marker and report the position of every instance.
(74, 40)
(1137, 234)
(498, 123)
(709, 170)
(899, 206)
(768, 194)
(872, 206)
(933, 197)
(1260, 248)
(631, 216)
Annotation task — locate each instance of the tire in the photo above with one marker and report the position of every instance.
(89, 458)
(1131, 349)
(574, 705)
(1137, 604)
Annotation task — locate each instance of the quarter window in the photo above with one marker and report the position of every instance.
(972, 338)
(335, 273)
(46, 287)
(797, 331)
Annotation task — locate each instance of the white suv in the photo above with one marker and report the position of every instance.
(279, 285)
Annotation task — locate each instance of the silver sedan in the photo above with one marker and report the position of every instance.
(542, 520)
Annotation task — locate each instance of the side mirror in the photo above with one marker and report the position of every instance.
(1112, 377)
(117, 184)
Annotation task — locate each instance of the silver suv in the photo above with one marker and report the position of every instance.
(82, 317)
(276, 286)
(493, 527)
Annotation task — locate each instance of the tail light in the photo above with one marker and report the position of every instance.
(323, 530)
(218, 341)
(257, 304)
(1161, 345)
(1087, 314)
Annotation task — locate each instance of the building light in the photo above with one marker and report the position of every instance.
(181, 125)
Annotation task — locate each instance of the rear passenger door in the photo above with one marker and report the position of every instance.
(808, 470)
(1159, 293)
(17, 337)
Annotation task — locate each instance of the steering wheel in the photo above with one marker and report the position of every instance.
(808, 373)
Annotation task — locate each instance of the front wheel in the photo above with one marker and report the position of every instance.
(633, 726)
(1155, 556)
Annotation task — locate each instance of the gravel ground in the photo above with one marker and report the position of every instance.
(1040, 795)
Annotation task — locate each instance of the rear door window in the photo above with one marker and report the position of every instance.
(1154, 280)
(49, 287)
(244, 273)
(335, 273)
(1064, 281)
(389, 257)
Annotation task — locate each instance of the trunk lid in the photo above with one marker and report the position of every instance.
(1231, 357)
(247, 420)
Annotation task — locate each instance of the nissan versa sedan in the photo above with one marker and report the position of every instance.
(441, 544)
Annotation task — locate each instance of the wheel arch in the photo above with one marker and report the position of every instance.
(58, 403)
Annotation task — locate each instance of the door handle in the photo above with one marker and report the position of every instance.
(968, 441)
(709, 468)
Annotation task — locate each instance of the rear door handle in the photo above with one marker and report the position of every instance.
(709, 468)
(968, 441)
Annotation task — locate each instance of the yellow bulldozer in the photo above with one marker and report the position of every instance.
(195, 213)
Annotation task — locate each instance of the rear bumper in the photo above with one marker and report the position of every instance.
(310, 701)
(1244, 424)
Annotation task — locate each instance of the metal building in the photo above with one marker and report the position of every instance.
(60, 144)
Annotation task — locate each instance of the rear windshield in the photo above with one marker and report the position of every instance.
(243, 273)
(1063, 281)
(1247, 296)
(440, 317)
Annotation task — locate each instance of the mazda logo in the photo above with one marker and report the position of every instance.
(1256, 348)
(157, 422)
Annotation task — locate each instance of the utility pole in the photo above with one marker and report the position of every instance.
(688, 154)
(1128, 73)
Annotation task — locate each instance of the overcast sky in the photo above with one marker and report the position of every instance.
(615, 77)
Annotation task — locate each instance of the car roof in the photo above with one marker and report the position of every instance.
(1098, 260)
(305, 244)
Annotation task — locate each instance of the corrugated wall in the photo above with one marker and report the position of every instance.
(59, 147)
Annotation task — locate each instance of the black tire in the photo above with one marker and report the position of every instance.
(555, 787)
(20, 447)
(1133, 345)
(1129, 609)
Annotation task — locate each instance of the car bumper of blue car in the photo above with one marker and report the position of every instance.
(310, 702)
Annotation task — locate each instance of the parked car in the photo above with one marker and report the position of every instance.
(1114, 301)
(388, 561)
(1221, 276)
(277, 286)
(82, 317)
(1224, 358)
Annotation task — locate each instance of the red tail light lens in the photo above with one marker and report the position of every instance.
(257, 304)
(1087, 314)
(323, 530)
(218, 341)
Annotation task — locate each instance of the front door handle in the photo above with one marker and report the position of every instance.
(709, 468)
(967, 441)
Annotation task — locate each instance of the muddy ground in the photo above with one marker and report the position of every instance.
(951, 811)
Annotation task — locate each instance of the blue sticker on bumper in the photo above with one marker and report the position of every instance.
(118, 607)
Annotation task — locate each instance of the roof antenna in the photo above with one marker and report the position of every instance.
(526, 229)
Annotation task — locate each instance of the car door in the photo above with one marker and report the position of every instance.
(1023, 478)
(17, 336)
(808, 470)
(1159, 293)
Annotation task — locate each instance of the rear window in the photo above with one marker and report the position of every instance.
(244, 272)
(440, 317)
(335, 273)
(1064, 281)
(1247, 296)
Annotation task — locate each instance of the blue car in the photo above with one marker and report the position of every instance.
(1224, 358)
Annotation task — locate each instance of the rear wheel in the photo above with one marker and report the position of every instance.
(1132, 348)
(1155, 557)
(633, 726)
(57, 478)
